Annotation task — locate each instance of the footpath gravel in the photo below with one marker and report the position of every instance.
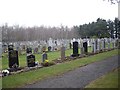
(79, 77)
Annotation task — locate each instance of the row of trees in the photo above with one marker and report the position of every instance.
(17, 33)
(100, 28)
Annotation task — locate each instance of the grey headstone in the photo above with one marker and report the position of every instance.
(62, 53)
(44, 57)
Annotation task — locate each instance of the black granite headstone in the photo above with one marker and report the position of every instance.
(31, 60)
(29, 50)
(75, 49)
(10, 47)
(13, 58)
(104, 44)
(49, 48)
(85, 47)
(96, 43)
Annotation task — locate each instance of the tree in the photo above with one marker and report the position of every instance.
(117, 25)
(110, 27)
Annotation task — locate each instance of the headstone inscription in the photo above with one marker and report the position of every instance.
(13, 57)
(62, 52)
(44, 56)
(75, 49)
(30, 58)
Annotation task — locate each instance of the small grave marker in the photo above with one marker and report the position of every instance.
(44, 56)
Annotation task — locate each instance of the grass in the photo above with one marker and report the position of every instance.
(109, 80)
(23, 61)
(19, 80)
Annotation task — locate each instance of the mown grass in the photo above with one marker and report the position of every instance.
(23, 61)
(109, 80)
(19, 80)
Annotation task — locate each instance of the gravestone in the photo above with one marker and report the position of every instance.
(116, 43)
(62, 52)
(44, 56)
(104, 44)
(10, 47)
(49, 48)
(43, 48)
(108, 43)
(36, 50)
(30, 60)
(75, 49)
(13, 58)
(29, 50)
(113, 43)
(99, 44)
(96, 44)
(19, 51)
(23, 47)
(93, 46)
(85, 46)
(82, 50)
(81, 47)
(70, 45)
(55, 43)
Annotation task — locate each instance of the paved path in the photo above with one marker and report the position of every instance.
(79, 77)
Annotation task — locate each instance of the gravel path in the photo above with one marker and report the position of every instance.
(79, 77)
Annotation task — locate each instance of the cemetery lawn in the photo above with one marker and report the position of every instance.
(23, 62)
(19, 80)
(109, 80)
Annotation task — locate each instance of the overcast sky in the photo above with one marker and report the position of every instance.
(55, 12)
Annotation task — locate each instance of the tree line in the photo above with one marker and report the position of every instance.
(17, 33)
(100, 28)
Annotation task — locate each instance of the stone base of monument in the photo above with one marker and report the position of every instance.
(82, 55)
(75, 55)
(23, 69)
(14, 69)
